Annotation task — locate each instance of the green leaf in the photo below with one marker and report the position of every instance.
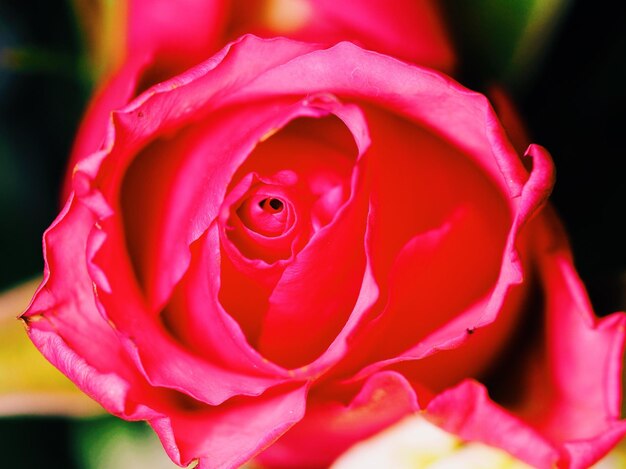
(503, 41)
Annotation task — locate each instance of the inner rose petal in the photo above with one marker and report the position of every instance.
(178, 182)
(267, 216)
(266, 220)
(319, 152)
(290, 187)
(438, 231)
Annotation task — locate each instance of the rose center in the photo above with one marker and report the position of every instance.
(272, 205)
(266, 213)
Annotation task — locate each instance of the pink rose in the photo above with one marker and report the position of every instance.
(288, 248)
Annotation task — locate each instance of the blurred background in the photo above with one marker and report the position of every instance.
(564, 63)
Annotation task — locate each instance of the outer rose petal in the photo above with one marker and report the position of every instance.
(569, 412)
(461, 117)
(64, 323)
(231, 434)
(582, 358)
(330, 427)
(91, 337)
(467, 412)
(113, 94)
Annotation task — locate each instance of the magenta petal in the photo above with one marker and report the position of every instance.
(575, 383)
(179, 209)
(461, 117)
(64, 323)
(467, 412)
(196, 297)
(229, 435)
(200, 322)
(154, 26)
(495, 309)
(326, 279)
(163, 360)
(410, 30)
(568, 412)
(113, 94)
(330, 427)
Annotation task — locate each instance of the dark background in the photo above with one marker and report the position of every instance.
(573, 102)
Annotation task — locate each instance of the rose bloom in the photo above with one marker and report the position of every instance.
(288, 248)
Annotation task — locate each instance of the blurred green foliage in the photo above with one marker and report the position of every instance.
(504, 41)
(109, 443)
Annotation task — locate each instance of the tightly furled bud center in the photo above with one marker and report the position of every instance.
(266, 214)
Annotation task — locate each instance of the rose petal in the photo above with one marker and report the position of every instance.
(199, 321)
(318, 152)
(214, 149)
(234, 432)
(164, 361)
(581, 360)
(112, 94)
(408, 29)
(467, 412)
(461, 117)
(510, 118)
(295, 334)
(568, 406)
(64, 323)
(177, 206)
(154, 26)
(497, 309)
(197, 330)
(326, 279)
(318, 156)
(330, 427)
(422, 284)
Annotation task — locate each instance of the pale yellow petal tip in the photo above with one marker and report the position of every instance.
(283, 16)
(479, 456)
(415, 443)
